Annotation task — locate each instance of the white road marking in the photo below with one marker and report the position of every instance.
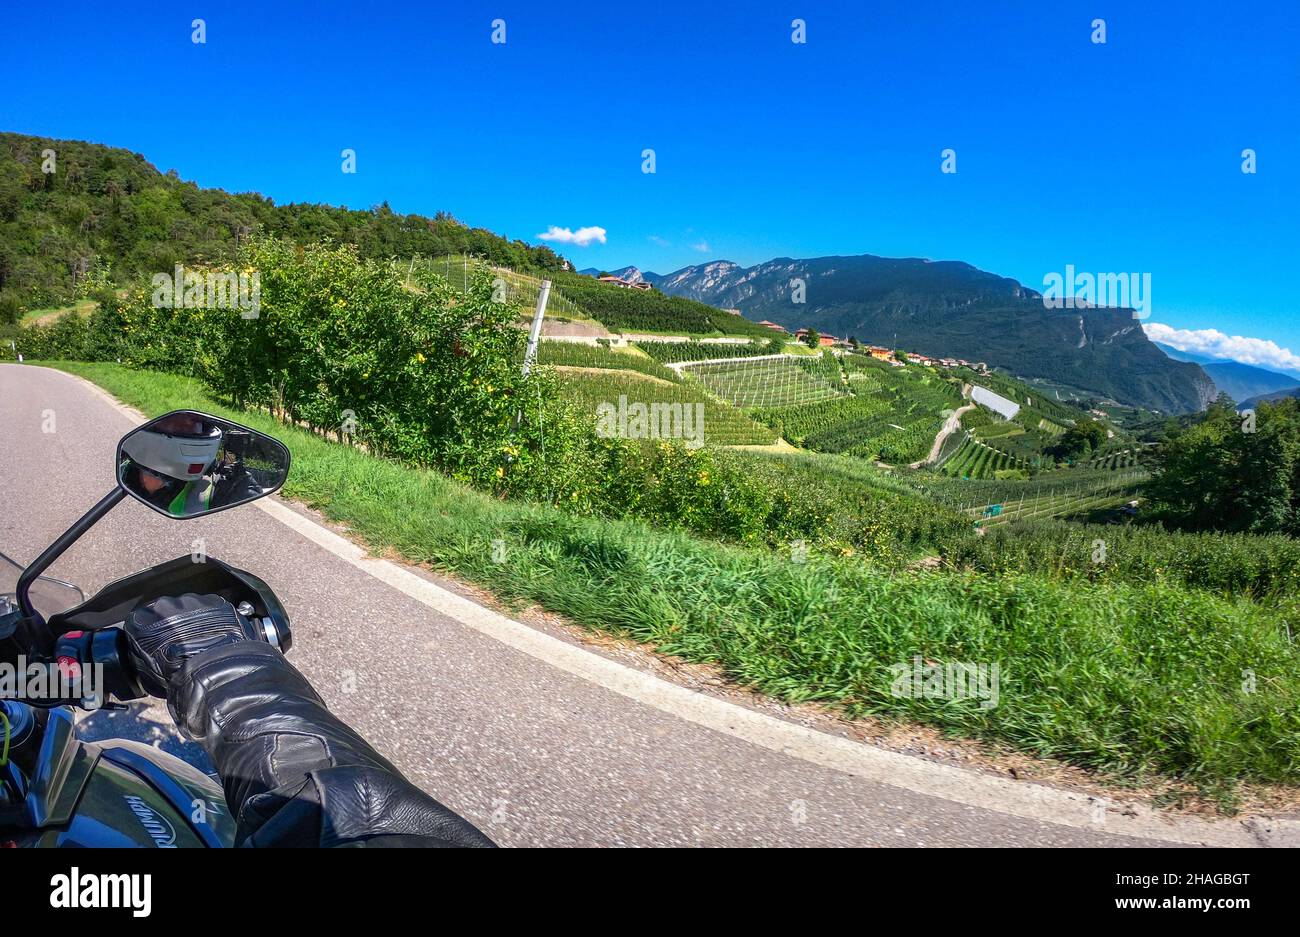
(974, 789)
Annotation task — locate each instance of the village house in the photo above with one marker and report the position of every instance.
(626, 284)
(773, 326)
(825, 341)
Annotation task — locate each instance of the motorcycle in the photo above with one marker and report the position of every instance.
(60, 651)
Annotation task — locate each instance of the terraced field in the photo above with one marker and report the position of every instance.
(518, 289)
(976, 459)
(578, 355)
(1024, 445)
(953, 491)
(1027, 438)
(898, 442)
(1114, 461)
(800, 423)
(766, 383)
(697, 351)
(1113, 488)
(890, 414)
(723, 425)
(854, 406)
(868, 427)
(864, 382)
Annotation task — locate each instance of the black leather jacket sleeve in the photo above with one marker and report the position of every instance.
(235, 486)
(294, 774)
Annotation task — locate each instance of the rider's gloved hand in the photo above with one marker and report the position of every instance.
(166, 632)
(293, 773)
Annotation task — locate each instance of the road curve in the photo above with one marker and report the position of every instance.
(535, 741)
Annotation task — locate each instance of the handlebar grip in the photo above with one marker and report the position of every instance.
(272, 629)
(101, 661)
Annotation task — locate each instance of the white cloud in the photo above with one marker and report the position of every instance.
(580, 238)
(1257, 351)
(702, 247)
(656, 239)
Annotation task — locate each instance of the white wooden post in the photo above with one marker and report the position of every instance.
(536, 332)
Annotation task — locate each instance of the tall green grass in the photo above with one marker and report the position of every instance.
(1133, 679)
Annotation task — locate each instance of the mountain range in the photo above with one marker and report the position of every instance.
(951, 308)
(1238, 380)
(1269, 398)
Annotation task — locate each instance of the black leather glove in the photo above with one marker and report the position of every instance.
(294, 774)
(166, 632)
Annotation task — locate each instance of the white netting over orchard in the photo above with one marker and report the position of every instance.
(775, 381)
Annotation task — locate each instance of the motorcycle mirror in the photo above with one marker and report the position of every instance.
(188, 464)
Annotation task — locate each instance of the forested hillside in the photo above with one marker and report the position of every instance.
(107, 206)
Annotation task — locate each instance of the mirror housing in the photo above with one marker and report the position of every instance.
(187, 464)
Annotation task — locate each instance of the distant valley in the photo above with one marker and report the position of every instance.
(1241, 382)
(951, 308)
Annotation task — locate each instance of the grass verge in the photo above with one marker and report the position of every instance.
(1134, 680)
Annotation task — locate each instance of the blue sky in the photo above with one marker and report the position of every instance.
(1117, 157)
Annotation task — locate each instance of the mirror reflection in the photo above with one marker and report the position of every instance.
(186, 464)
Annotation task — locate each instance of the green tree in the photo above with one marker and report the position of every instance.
(1081, 439)
(10, 309)
(1231, 471)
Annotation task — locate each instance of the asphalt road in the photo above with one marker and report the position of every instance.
(532, 754)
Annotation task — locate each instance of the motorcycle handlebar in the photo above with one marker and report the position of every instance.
(98, 663)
